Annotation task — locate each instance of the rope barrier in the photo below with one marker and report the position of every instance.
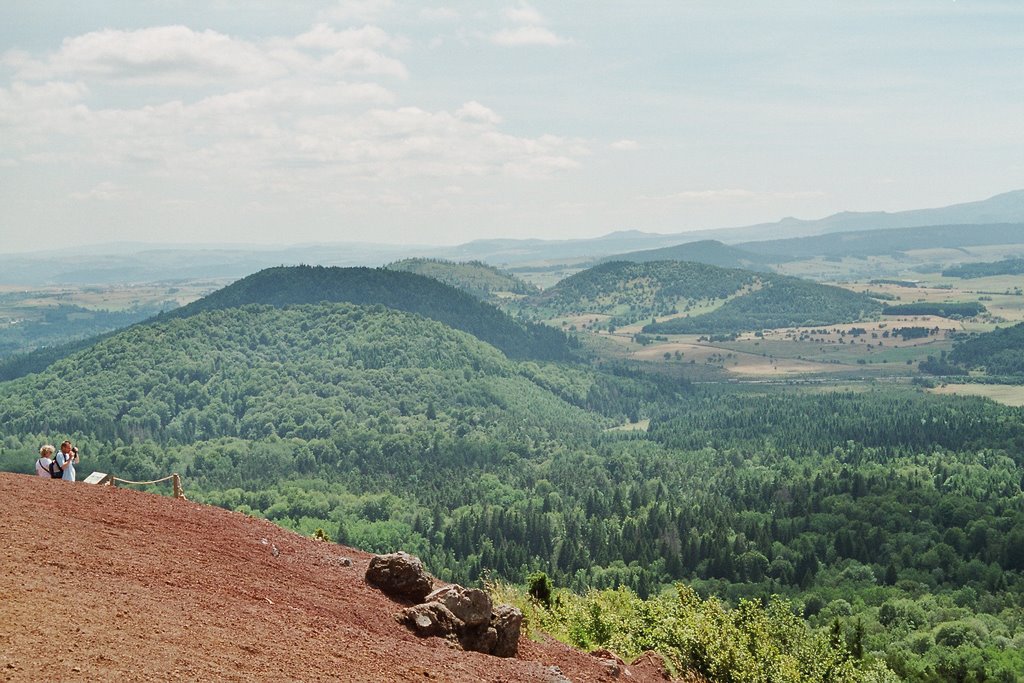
(176, 480)
(144, 483)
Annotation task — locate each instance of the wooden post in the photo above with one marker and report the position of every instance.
(178, 492)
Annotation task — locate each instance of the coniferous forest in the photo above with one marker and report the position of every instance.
(886, 524)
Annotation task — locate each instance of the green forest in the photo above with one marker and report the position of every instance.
(479, 279)
(941, 309)
(779, 302)
(881, 530)
(636, 291)
(967, 271)
(1000, 352)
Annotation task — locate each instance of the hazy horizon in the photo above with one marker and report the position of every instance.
(385, 122)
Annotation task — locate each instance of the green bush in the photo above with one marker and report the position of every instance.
(538, 585)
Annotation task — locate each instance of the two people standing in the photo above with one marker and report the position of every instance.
(60, 464)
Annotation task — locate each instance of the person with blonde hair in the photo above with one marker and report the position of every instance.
(43, 463)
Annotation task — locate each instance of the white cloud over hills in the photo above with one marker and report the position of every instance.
(287, 116)
(320, 120)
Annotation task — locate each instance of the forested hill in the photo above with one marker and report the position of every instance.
(303, 371)
(721, 299)
(1000, 352)
(479, 279)
(636, 291)
(711, 252)
(1010, 266)
(779, 302)
(402, 291)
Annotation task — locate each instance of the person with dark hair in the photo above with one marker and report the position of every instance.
(66, 460)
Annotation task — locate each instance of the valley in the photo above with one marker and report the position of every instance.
(636, 432)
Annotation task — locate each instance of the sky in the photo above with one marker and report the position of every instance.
(386, 121)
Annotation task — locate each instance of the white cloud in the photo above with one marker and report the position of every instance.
(165, 114)
(625, 145)
(324, 37)
(527, 35)
(161, 55)
(31, 116)
(361, 61)
(529, 29)
(476, 112)
(523, 14)
(179, 56)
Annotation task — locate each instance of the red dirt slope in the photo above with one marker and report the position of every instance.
(99, 583)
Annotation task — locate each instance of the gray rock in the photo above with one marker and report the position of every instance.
(400, 575)
(479, 639)
(430, 619)
(462, 616)
(471, 605)
(507, 621)
(556, 675)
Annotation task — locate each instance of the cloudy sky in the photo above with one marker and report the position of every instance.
(292, 121)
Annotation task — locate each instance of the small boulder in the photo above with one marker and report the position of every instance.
(480, 639)
(430, 619)
(471, 605)
(507, 621)
(400, 575)
(611, 662)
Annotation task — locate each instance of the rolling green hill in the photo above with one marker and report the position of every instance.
(636, 291)
(711, 252)
(639, 291)
(394, 289)
(477, 278)
(1010, 266)
(258, 371)
(410, 292)
(779, 302)
(1000, 352)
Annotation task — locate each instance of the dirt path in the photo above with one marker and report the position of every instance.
(100, 584)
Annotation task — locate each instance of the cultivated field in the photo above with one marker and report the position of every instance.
(1011, 395)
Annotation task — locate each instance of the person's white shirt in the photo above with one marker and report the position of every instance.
(67, 463)
(43, 467)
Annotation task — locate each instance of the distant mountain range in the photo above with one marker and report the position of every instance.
(140, 262)
(863, 243)
(1002, 208)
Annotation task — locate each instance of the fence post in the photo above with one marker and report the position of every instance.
(178, 492)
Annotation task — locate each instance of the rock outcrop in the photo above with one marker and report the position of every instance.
(400, 575)
(463, 616)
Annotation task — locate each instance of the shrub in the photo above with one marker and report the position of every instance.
(538, 585)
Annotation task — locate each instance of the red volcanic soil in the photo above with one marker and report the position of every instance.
(98, 583)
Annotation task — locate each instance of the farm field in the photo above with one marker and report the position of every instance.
(838, 349)
(34, 317)
(15, 298)
(1007, 394)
